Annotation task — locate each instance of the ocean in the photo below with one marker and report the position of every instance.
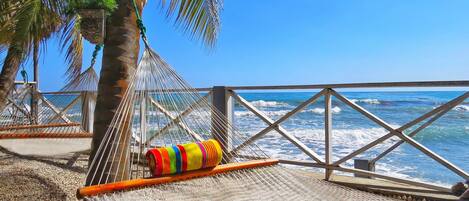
(448, 136)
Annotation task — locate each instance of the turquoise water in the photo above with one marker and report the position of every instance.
(448, 136)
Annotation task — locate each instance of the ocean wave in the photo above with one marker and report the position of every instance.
(344, 141)
(263, 103)
(367, 101)
(462, 108)
(268, 113)
(335, 110)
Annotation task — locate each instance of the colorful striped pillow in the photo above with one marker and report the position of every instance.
(184, 157)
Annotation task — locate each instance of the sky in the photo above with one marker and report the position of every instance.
(272, 42)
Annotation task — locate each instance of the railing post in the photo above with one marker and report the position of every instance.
(34, 111)
(143, 118)
(87, 110)
(328, 133)
(222, 117)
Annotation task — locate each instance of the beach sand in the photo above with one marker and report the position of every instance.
(41, 174)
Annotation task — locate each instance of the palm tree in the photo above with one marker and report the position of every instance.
(25, 25)
(199, 18)
(30, 21)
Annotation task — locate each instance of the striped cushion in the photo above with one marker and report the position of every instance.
(184, 157)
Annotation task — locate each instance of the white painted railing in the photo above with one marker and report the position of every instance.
(329, 90)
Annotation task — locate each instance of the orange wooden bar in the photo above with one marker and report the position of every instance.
(17, 127)
(4, 136)
(137, 183)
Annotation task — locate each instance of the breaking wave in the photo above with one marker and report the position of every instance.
(263, 103)
(367, 101)
(462, 108)
(335, 110)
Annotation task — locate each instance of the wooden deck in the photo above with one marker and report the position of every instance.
(388, 188)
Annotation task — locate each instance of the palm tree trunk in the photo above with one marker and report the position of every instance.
(34, 95)
(8, 74)
(120, 56)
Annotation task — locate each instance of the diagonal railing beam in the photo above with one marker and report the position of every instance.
(18, 95)
(398, 132)
(26, 113)
(65, 109)
(416, 131)
(179, 117)
(170, 116)
(276, 123)
(295, 141)
(390, 134)
(53, 108)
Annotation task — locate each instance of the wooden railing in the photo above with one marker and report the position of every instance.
(328, 91)
(19, 102)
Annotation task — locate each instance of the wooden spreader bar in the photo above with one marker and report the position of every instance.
(4, 136)
(138, 183)
(18, 127)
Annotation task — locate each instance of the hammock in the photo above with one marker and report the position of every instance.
(55, 115)
(159, 109)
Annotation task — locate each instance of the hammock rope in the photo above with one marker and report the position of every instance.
(96, 50)
(139, 21)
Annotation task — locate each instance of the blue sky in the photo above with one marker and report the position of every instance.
(271, 42)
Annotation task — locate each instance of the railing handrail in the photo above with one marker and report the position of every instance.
(417, 84)
(458, 83)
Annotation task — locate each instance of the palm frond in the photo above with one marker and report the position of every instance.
(32, 21)
(199, 18)
(24, 20)
(72, 41)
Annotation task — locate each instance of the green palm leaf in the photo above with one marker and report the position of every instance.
(199, 18)
(72, 42)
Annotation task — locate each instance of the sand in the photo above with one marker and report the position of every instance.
(41, 176)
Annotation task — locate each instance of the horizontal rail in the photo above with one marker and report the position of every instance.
(418, 84)
(21, 127)
(60, 92)
(364, 172)
(22, 82)
(462, 83)
(42, 135)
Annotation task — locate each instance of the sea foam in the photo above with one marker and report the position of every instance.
(335, 110)
(263, 103)
(367, 101)
(462, 108)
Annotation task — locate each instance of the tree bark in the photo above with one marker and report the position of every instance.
(8, 74)
(35, 87)
(120, 56)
